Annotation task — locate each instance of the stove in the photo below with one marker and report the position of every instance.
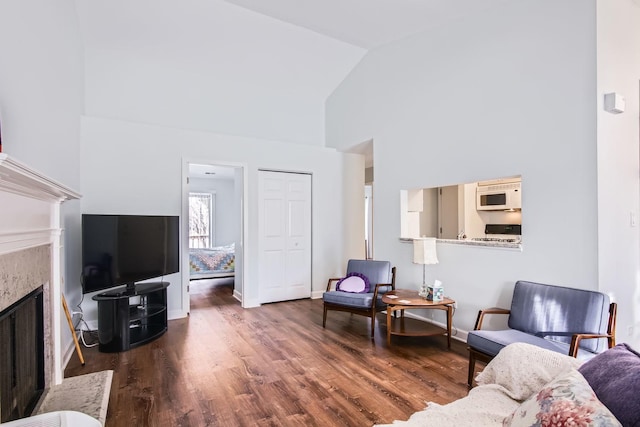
(497, 239)
(501, 233)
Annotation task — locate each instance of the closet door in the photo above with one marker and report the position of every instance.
(284, 223)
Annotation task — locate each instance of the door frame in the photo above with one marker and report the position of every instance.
(368, 188)
(311, 187)
(241, 249)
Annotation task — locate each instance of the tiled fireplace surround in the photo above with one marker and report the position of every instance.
(30, 250)
(22, 272)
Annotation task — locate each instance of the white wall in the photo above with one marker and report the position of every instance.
(41, 100)
(41, 86)
(508, 92)
(618, 161)
(134, 168)
(226, 71)
(520, 82)
(223, 69)
(227, 222)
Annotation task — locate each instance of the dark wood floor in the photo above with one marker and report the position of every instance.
(274, 366)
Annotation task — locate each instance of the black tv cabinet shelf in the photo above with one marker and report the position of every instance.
(128, 317)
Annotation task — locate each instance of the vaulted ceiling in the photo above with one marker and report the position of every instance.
(257, 68)
(367, 23)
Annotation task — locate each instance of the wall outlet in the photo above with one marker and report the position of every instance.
(630, 330)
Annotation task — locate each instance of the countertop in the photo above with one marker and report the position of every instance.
(469, 242)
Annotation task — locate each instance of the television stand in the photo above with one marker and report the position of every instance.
(129, 317)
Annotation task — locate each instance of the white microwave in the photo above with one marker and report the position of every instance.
(499, 197)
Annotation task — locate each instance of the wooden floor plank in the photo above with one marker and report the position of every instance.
(274, 366)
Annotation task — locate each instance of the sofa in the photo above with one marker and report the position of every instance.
(526, 385)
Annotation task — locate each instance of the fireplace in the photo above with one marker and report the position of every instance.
(21, 356)
(30, 261)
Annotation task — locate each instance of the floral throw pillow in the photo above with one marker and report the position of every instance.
(566, 401)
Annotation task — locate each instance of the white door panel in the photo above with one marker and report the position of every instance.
(297, 225)
(285, 236)
(273, 268)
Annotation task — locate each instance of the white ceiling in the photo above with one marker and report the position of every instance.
(209, 65)
(367, 23)
(254, 68)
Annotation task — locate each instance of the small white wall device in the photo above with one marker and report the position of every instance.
(614, 103)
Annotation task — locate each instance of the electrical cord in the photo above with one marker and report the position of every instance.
(94, 338)
(80, 332)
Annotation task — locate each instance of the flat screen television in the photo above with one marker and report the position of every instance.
(124, 249)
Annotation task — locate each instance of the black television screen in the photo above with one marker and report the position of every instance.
(124, 249)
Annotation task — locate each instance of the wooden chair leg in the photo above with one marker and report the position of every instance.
(373, 324)
(324, 317)
(472, 368)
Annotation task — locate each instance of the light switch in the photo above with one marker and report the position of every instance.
(614, 103)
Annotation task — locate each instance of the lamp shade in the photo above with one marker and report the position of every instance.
(424, 251)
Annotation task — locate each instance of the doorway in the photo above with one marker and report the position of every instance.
(448, 208)
(368, 221)
(213, 226)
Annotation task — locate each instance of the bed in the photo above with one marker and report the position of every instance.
(207, 263)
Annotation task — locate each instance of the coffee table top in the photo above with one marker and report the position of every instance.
(409, 297)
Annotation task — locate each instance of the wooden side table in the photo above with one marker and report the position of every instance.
(402, 299)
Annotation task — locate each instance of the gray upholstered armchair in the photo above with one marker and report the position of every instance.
(381, 277)
(557, 318)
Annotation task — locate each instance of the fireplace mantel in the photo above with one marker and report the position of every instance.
(17, 178)
(30, 218)
(27, 198)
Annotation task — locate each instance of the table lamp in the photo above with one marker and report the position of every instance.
(424, 252)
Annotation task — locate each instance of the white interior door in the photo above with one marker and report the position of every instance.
(285, 236)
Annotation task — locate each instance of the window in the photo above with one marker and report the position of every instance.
(201, 227)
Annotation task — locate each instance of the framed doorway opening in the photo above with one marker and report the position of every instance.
(216, 190)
